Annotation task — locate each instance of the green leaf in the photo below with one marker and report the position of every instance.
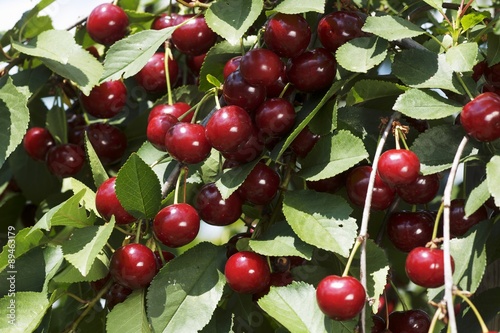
(462, 57)
(391, 27)
(58, 50)
(138, 188)
(321, 219)
(128, 56)
(232, 178)
(56, 124)
(474, 18)
(213, 80)
(22, 242)
(300, 6)
(36, 26)
(85, 244)
(369, 51)
(221, 321)
(477, 197)
(280, 240)
(436, 4)
(99, 174)
(231, 19)
(367, 90)
(482, 301)
(72, 214)
(190, 286)
(425, 104)
(88, 199)
(332, 155)
(14, 117)
(493, 178)
(493, 51)
(129, 4)
(29, 309)
(129, 316)
(97, 271)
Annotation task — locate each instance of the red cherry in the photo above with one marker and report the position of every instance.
(421, 191)
(247, 272)
(261, 185)
(107, 23)
(357, 186)
(425, 267)
(133, 265)
(408, 230)
(65, 160)
(238, 92)
(165, 21)
(248, 151)
(378, 324)
(480, 118)
(261, 67)
(288, 35)
(194, 37)
(312, 70)
(328, 185)
(108, 141)
(157, 129)
(93, 50)
(105, 100)
(231, 65)
(340, 297)
(176, 225)
(116, 294)
(167, 256)
(304, 142)
(152, 76)
(398, 167)
(195, 63)
(186, 142)
(178, 110)
(275, 117)
(337, 28)
(217, 211)
(275, 89)
(414, 321)
(107, 203)
(37, 141)
(459, 223)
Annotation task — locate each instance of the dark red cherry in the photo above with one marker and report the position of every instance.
(276, 89)
(165, 21)
(340, 297)
(337, 28)
(492, 74)
(328, 185)
(423, 190)
(398, 167)
(228, 128)
(312, 70)
(107, 203)
(37, 141)
(116, 294)
(107, 23)
(261, 185)
(65, 160)
(408, 230)
(167, 256)
(479, 69)
(248, 151)
(480, 118)
(187, 143)
(247, 272)
(215, 210)
(231, 65)
(133, 265)
(157, 129)
(194, 37)
(195, 63)
(459, 223)
(178, 110)
(425, 267)
(93, 50)
(357, 186)
(414, 321)
(261, 67)
(238, 92)
(176, 225)
(108, 141)
(275, 117)
(105, 100)
(152, 76)
(304, 142)
(231, 243)
(288, 35)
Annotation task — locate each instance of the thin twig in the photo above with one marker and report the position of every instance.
(171, 180)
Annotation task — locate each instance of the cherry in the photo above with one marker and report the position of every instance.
(176, 225)
(261, 185)
(37, 141)
(247, 272)
(152, 76)
(459, 223)
(178, 110)
(337, 28)
(312, 70)
(408, 230)
(414, 321)
(231, 65)
(480, 118)
(491, 74)
(93, 50)
(398, 167)
(116, 294)
(107, 203)
(186, 142)
(275, 89)
(357, 186)
(105, 100)
(261, 67)
(479, 69)
(99, 284)
(275, 117)
(425, 267)
(248, 151)
(231, 243)
(238, 92)
(378, 324)
(107, 23)
(304, 142)
(328, 185)
(194, 37)
(421, 191)
(108, 141)
(195, 63)
(157, 129)
(167, 256)
(76, 125)
(65, 160)
(133, 265)
(165, 21)
(340, 297)
(217, 211)
(288, 35)
(228, 128)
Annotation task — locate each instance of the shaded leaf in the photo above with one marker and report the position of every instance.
(493, 51)
(391, 27)
(369, 51)
(99, 174)
(366, 90)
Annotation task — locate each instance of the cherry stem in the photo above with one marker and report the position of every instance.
(75, 297)
(400, 298)
(285, 88)
(354, 249)
(402, 137)
(138, 231)
(484, 328)
(168, 55)
(434, 320)
(178, 185)
(436, 222)
(448, 274)
(462, 83)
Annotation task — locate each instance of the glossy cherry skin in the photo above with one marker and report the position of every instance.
(157, 129)
(260, 67)
(228, 128)
(423, 190)
(116, 294)
(480, 118)
(327, 185)
(194, 37)
(398, 167)
(408, 230)
(152, 76)
(105, 100)
(312, 70)
(231, 65)
(414, 321)
(459, 223)
(238, 92)
(107, 23)
(108, 141)
(195, 63)
(165, 21)
(107, 203)
(176, 225)
(357, 186)
(65, 160)
(187, 143)
(178, 110)
(337, 28)
(261, 185)
(248, 151)
(133, 265)
(37, 141)
(304, 142)
(425, 267)
(247, 272)
(217, 211)
(275, 117)
(288, 35)
(340, 297)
